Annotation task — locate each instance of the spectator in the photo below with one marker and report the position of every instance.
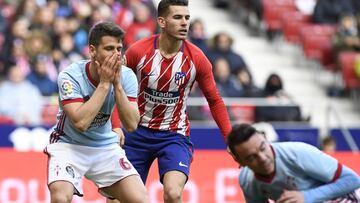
(274, 87)
(197, 35)
(347, 36)
(226, 83)
(143, 25)
(38, 76)
(330, 11)
(222, 48)
(328, 144)
(248, 86)
(20, 100)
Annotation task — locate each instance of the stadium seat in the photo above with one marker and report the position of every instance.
(273, 10)
(292, 21)
(317, 44)
(347, 65)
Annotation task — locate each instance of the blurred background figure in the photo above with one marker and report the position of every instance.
(328, 144)
(347, 36)
(39, 77)
(274, 87)
(142, 26)
(222, 48)
(226, 83)
(20, 100)
(330, 11)
(197, 35)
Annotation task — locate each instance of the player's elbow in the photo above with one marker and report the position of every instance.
(81, 126)
(131, 127)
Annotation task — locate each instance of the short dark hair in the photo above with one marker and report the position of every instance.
(102, 29)
(165, 4)
(240, 133)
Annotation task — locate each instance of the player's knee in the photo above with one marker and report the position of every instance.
(141, 199)
(172, 194)
(60, 198)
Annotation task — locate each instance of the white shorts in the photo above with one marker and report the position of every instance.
(102, 165)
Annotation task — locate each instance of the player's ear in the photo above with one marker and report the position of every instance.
(161, 22)
(92, 51)
(233, 155)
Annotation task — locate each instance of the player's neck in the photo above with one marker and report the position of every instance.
(169, 46)
(93, 72)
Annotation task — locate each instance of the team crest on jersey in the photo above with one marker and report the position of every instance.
(67, 87)
(180, 78)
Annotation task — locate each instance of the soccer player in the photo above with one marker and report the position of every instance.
(83, 143)
(291, 172)
(166, 66)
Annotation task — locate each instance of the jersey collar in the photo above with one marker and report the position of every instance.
(87, 70)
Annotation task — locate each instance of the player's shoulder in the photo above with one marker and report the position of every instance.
(246, 177)
(126, 70)
(292, 146)
(292, 150)
(74, 69)
(145, 42)
(193, 48)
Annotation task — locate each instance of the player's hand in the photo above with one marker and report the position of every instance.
(291, 196)
(117, 69)
(121, 136)
(106, 70)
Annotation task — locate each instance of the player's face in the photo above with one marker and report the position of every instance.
(107, 46)
(256, 153)
(176, 22)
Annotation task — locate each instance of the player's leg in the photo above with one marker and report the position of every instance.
(174, 183)
(174, 160)
(64, 174)
(140, 147)
(61, 192)
(116, 177)
(130, 189)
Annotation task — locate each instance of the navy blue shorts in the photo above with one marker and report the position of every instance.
(173, 150)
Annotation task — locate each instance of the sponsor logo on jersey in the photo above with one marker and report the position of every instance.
(158, 97)
(100, 119)
(180, 78)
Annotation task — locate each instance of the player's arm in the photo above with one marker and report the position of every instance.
(127, 105)
(81, 114)
(207, 84)
(338, 179)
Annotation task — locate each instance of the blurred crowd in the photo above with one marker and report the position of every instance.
(39, 38)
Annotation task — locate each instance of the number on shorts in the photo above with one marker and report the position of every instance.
(124, 164)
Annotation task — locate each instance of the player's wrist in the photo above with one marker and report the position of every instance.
(104, 85)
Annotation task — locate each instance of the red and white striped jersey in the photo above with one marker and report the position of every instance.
(164, 85)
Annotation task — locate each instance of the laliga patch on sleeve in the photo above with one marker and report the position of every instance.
(66, 87)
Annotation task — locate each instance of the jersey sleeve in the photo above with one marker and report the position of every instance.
(206, 82)
(131, 56)
(129, 83)
(69, 89)
(315, 163)
(115, 119)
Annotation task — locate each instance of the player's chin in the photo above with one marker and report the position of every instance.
(182, 35)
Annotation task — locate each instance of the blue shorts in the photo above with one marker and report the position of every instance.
(173, 150)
